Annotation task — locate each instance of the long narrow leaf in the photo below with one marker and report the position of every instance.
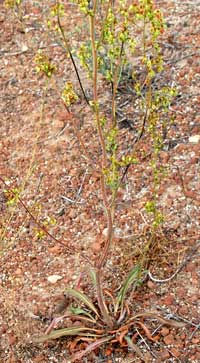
(154, 315)
(77, 330)
(86, 320)
(91, 347)
(79, 311)
(92, 274)
(82, 297)
(131, 278)
(135, 348)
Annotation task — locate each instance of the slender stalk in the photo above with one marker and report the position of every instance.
(100, 265)
(103, 23)
(101, 301)
(115, 83)
(104, 254)
(72, 250)
(102, 142)
(70, 53)
(77, 133)
(95, 79)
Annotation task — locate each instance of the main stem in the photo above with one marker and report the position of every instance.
(101, 301)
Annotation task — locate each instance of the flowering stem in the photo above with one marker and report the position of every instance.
(70, 53)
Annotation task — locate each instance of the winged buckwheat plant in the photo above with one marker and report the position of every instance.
(114, 32)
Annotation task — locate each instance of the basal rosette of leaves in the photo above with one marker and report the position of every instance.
(91, 326)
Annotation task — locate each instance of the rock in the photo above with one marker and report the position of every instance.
(169, 339)
(151, 285)
(18, 272)
(195, 340)
(175, 352)
(55, 249)
(195, 139)
(12, 339)
(96, 247)
(54, 278)
(164, 355)
(164, 331)
(168, 300)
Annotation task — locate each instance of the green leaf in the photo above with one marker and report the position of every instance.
(82, 297)
(132, 277)
(77, 330)
(92, 274)
(79, 311)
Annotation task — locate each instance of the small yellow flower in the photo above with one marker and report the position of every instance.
(68, 94)
(44, 65)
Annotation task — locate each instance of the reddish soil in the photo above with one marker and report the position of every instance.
(40, 156)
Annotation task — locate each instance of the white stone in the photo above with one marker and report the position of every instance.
(54, 278)
(194, 139)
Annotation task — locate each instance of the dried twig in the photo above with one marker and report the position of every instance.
(186, 192)
(69, 200)
(170, 315)
(194, 331)
(182, 265)
(181, 58)
(75, 200)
